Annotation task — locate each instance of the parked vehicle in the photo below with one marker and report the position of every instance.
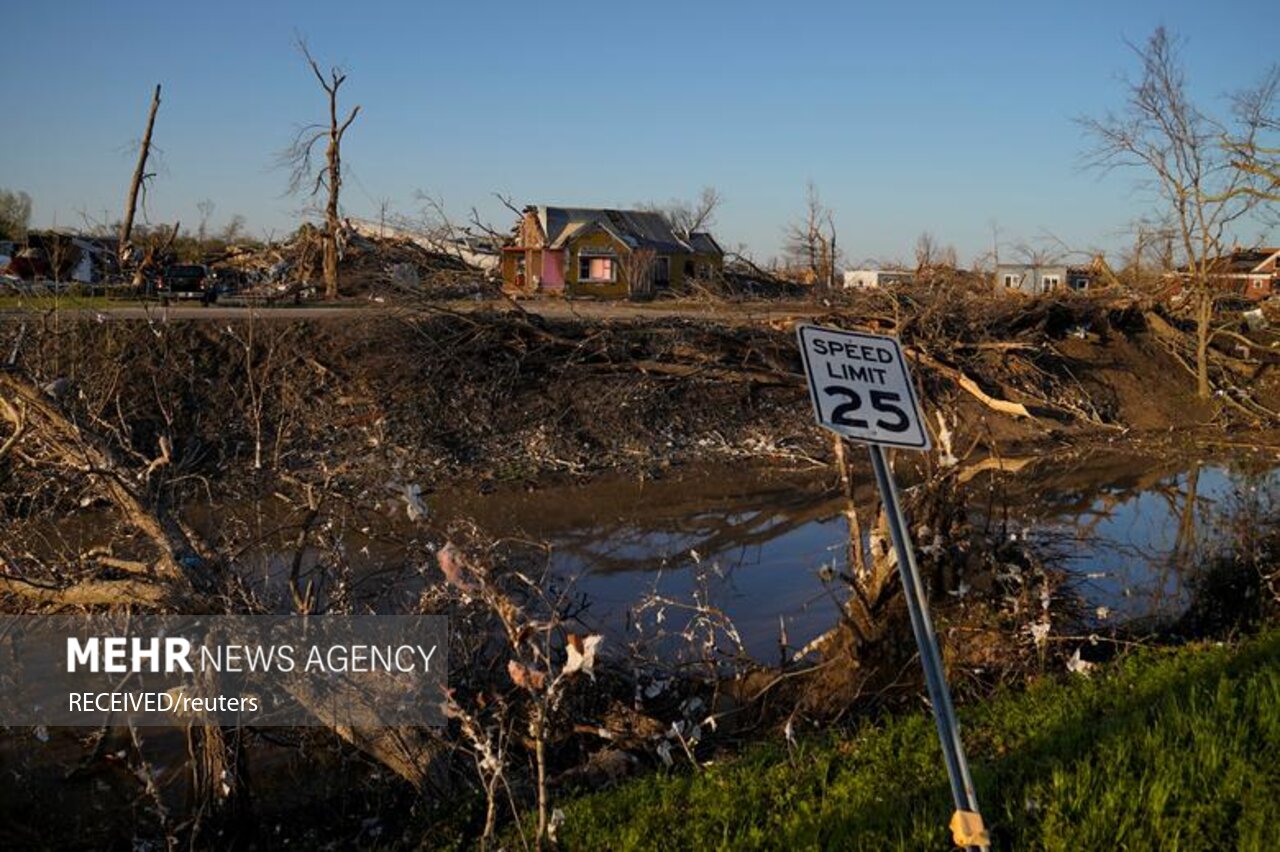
(187, 281)
(225, 282)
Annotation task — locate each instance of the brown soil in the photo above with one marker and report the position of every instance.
(515, 396)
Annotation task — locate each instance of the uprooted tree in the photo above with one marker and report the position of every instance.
(1187, 157)
(297, 157)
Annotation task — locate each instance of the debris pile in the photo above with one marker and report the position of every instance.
(370, 266)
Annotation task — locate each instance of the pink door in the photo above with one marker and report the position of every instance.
(553, 271)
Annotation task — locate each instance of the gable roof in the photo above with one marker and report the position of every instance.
(703, 243)
(632, 228)
(1242, 262)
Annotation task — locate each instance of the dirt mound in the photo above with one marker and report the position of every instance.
(510, 395)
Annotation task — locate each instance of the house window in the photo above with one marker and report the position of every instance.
(596, 270)
(1051, 281)
(1011, 281)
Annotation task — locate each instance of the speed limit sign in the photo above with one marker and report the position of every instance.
(860, 387)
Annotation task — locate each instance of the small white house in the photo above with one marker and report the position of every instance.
(1033, 279)
(877, 277)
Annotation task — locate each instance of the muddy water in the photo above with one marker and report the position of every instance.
(751, 540)
(1128, 527)
(754, 541)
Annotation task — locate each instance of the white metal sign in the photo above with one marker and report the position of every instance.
(860, 387)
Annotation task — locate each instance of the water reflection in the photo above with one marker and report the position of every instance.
(1128, 527)
(1136, 541)
(756, 538)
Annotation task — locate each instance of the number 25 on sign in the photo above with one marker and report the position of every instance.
(860, 387)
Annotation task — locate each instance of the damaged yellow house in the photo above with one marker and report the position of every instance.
(579, 251)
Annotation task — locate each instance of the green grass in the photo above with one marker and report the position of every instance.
(63, 302)
(1174, 750)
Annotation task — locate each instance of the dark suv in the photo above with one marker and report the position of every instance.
(187, 281)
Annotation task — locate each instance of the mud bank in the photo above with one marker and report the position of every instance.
(481, 397)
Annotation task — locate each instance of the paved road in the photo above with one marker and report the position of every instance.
(747, 313)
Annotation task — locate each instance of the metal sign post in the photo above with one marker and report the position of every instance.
(861, 390)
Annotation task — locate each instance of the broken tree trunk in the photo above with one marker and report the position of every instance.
(333, 168)
(153, 251)
(67, 445)
(139, 176)
(48, 436)
(1004, 406)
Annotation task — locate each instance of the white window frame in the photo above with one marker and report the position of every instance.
(1010, 280)
(587, 279)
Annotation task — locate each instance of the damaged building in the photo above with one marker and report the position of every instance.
(575, 251)
(63, 256)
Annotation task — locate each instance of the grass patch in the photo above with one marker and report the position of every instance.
(61, 302)
(1171, 749)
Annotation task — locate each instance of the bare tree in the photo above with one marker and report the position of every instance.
(298, 158)
(234, 228)
(926, 248)
(140, 177)
(15, 214)
(638, 265)
(810, 241)
(686, 217)
(1144, 265)
(157, 244)
(1180, 150)
(205, 209)
(995, 254)
(1258, 155)
(930, 254)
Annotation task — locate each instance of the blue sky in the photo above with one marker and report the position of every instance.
(907, 116)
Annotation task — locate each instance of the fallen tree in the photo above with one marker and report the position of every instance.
(178, 573)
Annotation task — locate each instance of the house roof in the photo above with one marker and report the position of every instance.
(1250, 259)
(1240, 262)
(703, 243)
(633, 228)
(1050, 268)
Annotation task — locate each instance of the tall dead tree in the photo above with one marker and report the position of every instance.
(139, 178)
(1187, 156)
(298, 157)
(811, 241)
